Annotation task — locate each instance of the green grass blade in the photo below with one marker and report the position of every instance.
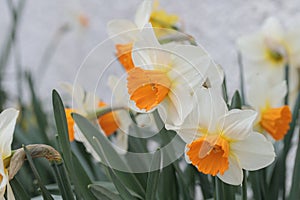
(107, 153)
(153, 176)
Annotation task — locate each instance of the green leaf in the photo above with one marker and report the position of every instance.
(153, 176)
(295, 189)
(19, 192)
(63, 181)
(108, 154)
(76, 172)
(46, 194)
(125, 194)
(102, 193)
(62, 129)
(236, 101)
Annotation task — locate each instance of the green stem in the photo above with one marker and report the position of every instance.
(286, 98)
(244, 185)
(240, 63)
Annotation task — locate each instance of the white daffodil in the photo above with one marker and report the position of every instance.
(8, 119)
(166, 76)
(222, 142)
(269, 50)
(125, 32)
(121, 98)
(88, 103)
(273, 116)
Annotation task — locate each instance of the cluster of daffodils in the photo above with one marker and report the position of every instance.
(183, 84)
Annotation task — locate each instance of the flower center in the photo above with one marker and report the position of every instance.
(147, 88)
(210, 154)
(276, 121)
(124, 55)
(276, 52)
(70, 122)
(108, 122)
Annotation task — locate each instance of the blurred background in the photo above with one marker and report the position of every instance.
(54, 37)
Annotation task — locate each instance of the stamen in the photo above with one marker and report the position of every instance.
(210, 154)
(276, 121)
(108, 122)
(147, 88)
(124, 55)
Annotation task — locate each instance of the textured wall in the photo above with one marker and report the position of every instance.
(215, 24)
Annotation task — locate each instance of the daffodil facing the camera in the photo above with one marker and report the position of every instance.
(166, 76)
(221, 142)
(8, 119)
(273, 116)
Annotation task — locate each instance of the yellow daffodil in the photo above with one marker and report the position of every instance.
(166, 76)
(222, 142)
(273, 116)
(269, 50)
(8, 119)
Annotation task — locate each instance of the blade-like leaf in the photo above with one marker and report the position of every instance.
(103, 193)
(76, 172)
(107, 153)
(153, 176)
(19, 192)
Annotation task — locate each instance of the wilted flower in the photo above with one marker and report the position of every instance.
(222, 142)
(8, 119)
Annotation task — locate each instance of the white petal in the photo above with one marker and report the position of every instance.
(182, 100)
(252, 47)
(79, 136)
(234, 174)
(120, 94)
(122, 31)
(215, 75)
(143, 13)
(211, 107)
(4, 175)
(237, 124)
(188, 59)
(77, 94)
(255, 152)
(188, 135)
(147, 52)
(272, 29)
(9, 191)
(277, 94)
(8, 120)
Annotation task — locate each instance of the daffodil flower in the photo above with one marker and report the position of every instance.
(269, 50)
(221, 142)
(125, 32)
(267, 100)
(166, 76)
(8, 119)
(87, 103)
